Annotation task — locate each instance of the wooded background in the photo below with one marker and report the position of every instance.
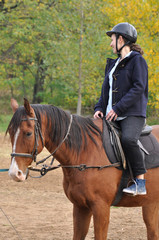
(54, 51)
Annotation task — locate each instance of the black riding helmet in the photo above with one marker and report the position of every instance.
(126, 30)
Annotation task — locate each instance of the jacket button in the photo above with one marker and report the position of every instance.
(114, 104)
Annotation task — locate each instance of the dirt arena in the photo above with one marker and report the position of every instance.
(38, 209)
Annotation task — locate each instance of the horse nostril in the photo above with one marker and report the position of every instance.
(19, 173)
(20, 176)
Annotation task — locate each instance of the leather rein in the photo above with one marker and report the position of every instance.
(45, 168)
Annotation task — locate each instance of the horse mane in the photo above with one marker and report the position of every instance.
(58, 121)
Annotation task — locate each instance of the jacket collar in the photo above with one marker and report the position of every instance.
(133, 53)
(111, 62)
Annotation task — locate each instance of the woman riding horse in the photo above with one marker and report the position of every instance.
(124, 97)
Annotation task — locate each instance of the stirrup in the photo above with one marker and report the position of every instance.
(135, 183)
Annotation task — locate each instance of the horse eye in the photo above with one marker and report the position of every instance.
(28, 134)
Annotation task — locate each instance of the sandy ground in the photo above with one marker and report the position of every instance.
(38, 209)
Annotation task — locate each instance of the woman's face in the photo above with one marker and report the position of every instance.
(113, 43)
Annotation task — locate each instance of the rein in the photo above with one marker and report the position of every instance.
(37, 132)
(81, 167)
(68, 131)
(46, 168)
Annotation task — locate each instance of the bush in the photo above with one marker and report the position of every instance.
(4, 121)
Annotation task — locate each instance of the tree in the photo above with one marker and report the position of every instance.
(55, 51)
(144, 15)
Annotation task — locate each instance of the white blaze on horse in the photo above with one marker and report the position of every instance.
(77, 145)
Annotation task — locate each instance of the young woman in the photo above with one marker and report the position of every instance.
(124, 97)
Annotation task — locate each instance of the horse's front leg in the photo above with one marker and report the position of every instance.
(81, 221)
(101, 214)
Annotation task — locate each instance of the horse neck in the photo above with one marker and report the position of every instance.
(70, 156)
(60, 151)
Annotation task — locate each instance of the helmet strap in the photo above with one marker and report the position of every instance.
(119, 50)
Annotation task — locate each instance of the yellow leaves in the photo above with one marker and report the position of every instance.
(144, 16)
(2, 68)
(157, 101)
(55, 33)
(58, 22)
(155, 27)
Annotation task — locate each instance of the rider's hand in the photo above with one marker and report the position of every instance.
(111, 115)
(98, 114)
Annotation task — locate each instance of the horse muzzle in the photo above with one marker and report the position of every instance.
(17, 174)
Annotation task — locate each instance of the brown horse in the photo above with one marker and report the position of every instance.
(75, 140)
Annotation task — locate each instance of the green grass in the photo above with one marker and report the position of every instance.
(4, 121)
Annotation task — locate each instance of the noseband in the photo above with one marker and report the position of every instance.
(37, 132)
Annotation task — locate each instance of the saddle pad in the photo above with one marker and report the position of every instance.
(107, 144)
(151, 144)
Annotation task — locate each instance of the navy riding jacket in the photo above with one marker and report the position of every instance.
(130, 87)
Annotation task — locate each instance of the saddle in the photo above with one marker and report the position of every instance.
(148, 144)
(112, 130)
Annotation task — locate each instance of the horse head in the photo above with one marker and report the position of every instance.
(26, 139)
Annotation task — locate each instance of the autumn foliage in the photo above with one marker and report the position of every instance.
(44, 48)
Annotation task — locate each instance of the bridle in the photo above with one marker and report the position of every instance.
(37, 133)
(45, 168)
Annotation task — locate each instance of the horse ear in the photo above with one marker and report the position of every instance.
(28, 108)
(14, 105)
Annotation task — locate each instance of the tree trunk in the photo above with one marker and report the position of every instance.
(23, 83)
(39, 80)
(80, 62)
